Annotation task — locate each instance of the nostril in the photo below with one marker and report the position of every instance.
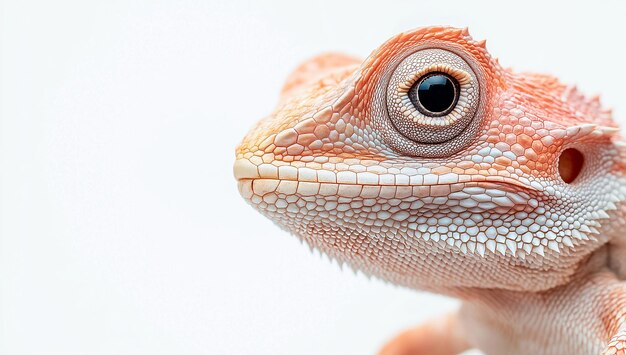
(571, 164)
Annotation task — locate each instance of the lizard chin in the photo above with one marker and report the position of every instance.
(420, 236)
(394, 234)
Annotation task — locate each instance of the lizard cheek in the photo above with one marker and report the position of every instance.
(571, 163)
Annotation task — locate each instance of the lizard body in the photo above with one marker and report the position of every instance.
(432, 167)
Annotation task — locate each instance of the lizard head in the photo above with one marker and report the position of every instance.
(431, 166)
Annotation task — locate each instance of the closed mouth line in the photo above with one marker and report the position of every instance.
(245, 170)
(504, 182)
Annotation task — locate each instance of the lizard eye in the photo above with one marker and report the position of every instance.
(435, 94)
(432, 101)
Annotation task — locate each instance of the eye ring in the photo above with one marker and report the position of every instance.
(406, 130)
(435, 94)
(422, 126)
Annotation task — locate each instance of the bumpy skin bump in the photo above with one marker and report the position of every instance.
(483, 215)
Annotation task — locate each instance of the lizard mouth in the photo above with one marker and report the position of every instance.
(266, 178)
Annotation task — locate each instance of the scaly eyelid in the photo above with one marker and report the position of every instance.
(462, 76)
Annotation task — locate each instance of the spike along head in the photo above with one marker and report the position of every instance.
(428, 159)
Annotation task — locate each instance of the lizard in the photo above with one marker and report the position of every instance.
(431, 166)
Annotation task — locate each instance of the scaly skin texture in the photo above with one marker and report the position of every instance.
(481, 204)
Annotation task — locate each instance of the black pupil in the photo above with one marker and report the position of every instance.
(437, 93)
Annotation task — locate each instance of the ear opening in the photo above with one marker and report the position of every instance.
(571, 163)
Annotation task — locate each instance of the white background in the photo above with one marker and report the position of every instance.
(121, 229)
